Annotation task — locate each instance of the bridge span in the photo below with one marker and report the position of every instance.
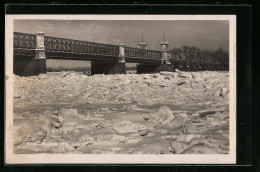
(32, 50)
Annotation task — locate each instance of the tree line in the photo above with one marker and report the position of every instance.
(197, 55)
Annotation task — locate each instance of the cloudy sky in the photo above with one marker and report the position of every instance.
(202, 34)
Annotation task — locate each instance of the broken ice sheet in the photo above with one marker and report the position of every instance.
(162, 113)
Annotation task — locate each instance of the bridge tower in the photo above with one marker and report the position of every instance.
(40, 58)
(164, 49)
(163, 65)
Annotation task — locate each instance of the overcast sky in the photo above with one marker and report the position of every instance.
(201, 34)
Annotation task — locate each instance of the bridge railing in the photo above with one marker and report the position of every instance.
(24, 40)
(141, 53)
(75, 46)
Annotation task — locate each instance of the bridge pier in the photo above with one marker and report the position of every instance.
(35, 63)
(36, 67)
(102, 67)
(28, 65)
(153, 68)
(107, 67)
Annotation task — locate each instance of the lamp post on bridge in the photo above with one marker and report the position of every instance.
(142, 45)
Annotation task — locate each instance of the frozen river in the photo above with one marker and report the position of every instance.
(162, 113)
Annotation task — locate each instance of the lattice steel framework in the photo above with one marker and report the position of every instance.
(59, 48)
(139, 55)
(24, 44)
(54, 46)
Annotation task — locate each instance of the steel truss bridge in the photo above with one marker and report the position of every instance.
(31, 50)
(60, 48)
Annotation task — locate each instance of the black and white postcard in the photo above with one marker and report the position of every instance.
(120, 89)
